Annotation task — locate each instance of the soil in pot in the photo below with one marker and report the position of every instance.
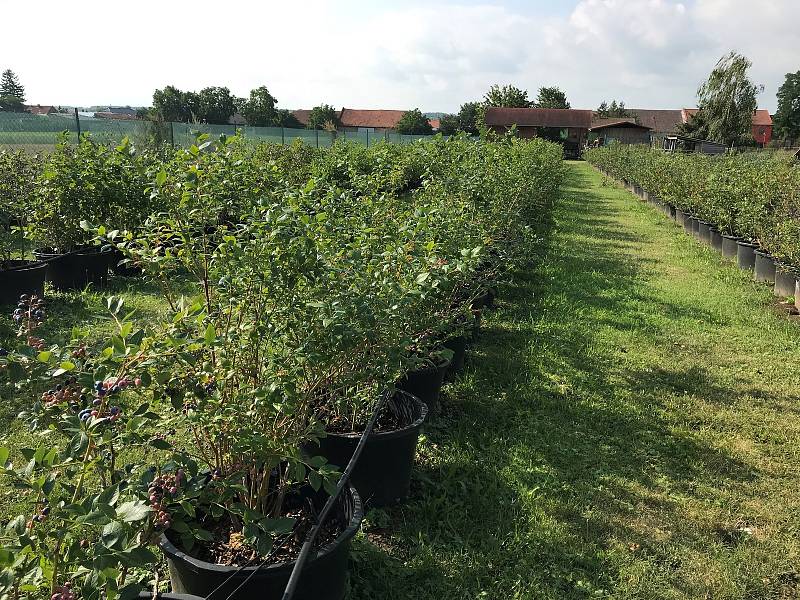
(19, 277)
(426, 382)
(764, 268)
(382, 475)
(746, 255)
(785, 281)
(324, 576)
(75, 270)
(716, 239)
(730, 246)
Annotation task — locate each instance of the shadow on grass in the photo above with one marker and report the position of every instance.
(548, 457)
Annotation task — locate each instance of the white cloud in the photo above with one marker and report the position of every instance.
(649, 53)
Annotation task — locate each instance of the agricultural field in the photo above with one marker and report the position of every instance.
(563, 394)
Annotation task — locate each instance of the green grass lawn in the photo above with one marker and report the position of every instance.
(628, 427)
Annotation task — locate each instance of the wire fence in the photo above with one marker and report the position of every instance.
(39, 133)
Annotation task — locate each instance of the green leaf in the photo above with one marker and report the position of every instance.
(422, 278)
(4, 454)
(211, 334)
(135, 510)
(44, 356)
(67, 365)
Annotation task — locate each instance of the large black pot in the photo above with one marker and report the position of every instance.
(21, 277)
(746, 255)
(785, 281)
(716, 239)
(704, 232)
(123, 269)
(680, 216)
(324, 576)
(764, 270)
(382, 474)
(669, 210)
(425, 383)
(730, 246)
(696, 228)
(76, 270)
(168, 596)
(458, 346)
(688, 224)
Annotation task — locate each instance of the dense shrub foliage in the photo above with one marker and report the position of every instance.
(755, 196)
(317, 279)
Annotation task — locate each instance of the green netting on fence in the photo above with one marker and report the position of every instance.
(39, 133)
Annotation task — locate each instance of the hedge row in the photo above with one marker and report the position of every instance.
(753, 196)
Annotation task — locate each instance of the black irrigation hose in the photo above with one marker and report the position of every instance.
(294, 578)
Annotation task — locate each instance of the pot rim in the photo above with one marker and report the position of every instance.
(174, 552)
(24, 265)
(388, 435)
(741, 242)
(80, 251)
(734, 238)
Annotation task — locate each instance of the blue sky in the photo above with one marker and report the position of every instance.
(360, 54)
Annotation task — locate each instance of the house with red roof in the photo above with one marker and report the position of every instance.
(363, 120)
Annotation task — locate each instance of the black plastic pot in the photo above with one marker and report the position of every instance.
(785, 281)
(21, 277)
(324, 576)
(704, 232)
(696, 228)
(669, 210)
(76, 270)
(382, 475)
(425, 383)
(458, 346)
(124, 269)
(746, 255)
(730, 246)
(764, 270)
(688, 224)
(716, 239)
(169, 596)
(680, 216)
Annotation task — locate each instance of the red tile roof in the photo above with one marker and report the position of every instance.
(538, 117)
(302, 115)
(41, 110)
(435, 123)
(761, 116)
(617, 122)
(382, 119)
(659, 120)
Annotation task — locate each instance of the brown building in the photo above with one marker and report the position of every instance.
(564, 125)
(41, 110)
(624, 131)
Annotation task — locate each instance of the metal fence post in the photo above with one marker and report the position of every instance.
(172, 134)
(77, 124)
(283, 135)
(317, 130)
(367, 138)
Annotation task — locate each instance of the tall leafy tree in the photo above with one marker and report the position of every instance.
(506, 96)
(322, 115)
(468, 117)
(413, 122)
(286, 118)
(170, 103)
(10, 85)
(260, 108)
(728, 99)
(449, 124)
(215, 105)
(551, 97)
(787, 117)
(696, 126)
(613, 109)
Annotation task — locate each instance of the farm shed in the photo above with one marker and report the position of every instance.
(565, 125)
(624, 131)
(684, 143)
(353, 119)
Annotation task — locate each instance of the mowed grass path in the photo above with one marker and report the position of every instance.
(628, 427)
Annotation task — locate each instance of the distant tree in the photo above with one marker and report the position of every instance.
(787, 117)
(696, 126)
(10, 86)
(507, 96)
(728, 100)
(260, 108)
(215, 105)
(171, 104)
(286, 118)
(468, 117)
(413, 122)
(613, 110)
(449, 124)
(11, 104)
(322, 114)
(551, 97)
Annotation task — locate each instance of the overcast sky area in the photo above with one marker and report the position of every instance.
(394, 54)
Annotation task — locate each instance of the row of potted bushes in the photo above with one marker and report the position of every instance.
(747, 254)
(214, 434)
